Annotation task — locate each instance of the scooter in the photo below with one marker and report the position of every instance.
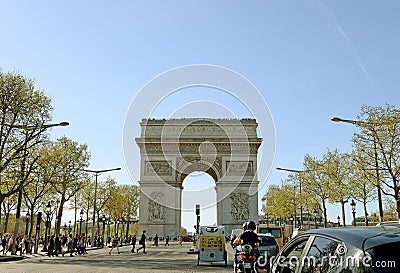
(246, 260)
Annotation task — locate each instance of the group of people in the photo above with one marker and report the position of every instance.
(22, 244)
(116, 241)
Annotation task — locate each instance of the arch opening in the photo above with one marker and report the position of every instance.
(198, 188)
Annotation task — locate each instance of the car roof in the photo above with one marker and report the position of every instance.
(360, 237)
(265, 235)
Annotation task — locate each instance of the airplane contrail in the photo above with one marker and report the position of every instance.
(350, 44)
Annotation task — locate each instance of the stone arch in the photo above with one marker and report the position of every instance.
(171, 149)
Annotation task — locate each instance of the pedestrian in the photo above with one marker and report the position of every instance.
(155, 240)
(74, 246)
(133, 243)
(142, 242)
(26, 245)
(82, 245)
(115, 244)
(4, 244)
(51, 247)
(180, 240)
(167, 241)
(9, 244)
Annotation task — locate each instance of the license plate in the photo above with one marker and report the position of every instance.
(247, 265)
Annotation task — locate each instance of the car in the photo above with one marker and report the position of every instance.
(334, 250)
(389, 223)
(268, 244)
(187, 239)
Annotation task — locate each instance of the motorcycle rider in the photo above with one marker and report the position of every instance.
(247, 237)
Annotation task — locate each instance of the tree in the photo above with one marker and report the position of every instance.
(337, 168)
(380, 137)
(316, 183)
(68, 160)
(24, 111)
(363, 179)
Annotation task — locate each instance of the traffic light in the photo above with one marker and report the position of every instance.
(198, 219)
(197, 209)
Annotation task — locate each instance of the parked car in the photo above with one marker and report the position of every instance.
(187, 239)
(334, 250)
(389, 223)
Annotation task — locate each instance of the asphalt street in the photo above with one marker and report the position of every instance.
(173, 258)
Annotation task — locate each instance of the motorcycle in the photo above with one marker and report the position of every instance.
(246, 259)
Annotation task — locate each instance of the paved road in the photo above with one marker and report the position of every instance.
(159, 259)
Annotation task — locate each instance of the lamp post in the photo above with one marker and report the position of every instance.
(315, 217)
(104, 223)
(42, 127)
(353, 209)
(97, 173)
(80, 222)
(27, 220)
(118, 221)
(301, 206)
(338, 221)
(69, 227)
(378, 183)
(48, 209)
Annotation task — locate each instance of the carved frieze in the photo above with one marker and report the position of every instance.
(240, 206)
(158, 167)
(156, 210)
(239, 168)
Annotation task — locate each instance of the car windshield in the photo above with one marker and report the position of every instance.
(267, 241)
(386, 258)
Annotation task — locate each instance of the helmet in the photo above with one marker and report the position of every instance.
(245, 226)
(251, 225)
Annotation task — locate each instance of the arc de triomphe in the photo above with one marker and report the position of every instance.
(171, 149)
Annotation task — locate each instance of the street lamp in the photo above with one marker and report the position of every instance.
(27, 220)
(378, 184)
(301, 206)
(104, 223)
(80, 222)
(338, 221)
(353, 208)
(97, 173)
(48, 209)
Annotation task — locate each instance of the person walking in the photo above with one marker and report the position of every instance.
(167, 241)
(9, 244)
(155, 240)
(4, 244)
(74, 246)
(51, 247)
(142, 242)
(133, 243)
(115, 244)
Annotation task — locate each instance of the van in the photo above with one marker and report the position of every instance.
(211, 244)
(276, 231)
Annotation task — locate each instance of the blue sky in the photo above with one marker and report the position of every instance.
(311, 60)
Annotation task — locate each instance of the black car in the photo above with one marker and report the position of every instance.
(334, 250)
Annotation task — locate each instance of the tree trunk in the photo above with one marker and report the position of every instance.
(365, 212)
(343, 212)
(324, 211)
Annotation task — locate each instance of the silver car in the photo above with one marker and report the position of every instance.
(268, 245)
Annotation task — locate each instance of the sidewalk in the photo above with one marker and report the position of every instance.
(9, 257)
